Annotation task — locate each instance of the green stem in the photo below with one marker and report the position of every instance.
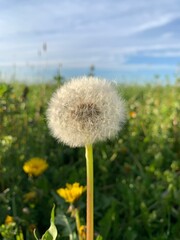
(20, 236)
(78, 223)
(90, 194)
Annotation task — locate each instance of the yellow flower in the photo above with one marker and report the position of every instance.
(35, 166)
(82, 232)
(133, 114)
(9, 219)
(72, 192)
(29, 196)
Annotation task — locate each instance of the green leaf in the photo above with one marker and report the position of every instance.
(3, 89)
(99, 237)
(51, 233)
(62, 220)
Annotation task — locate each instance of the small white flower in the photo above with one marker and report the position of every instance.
(84, 111)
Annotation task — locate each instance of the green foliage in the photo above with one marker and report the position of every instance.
(99, 237)
(58, 78)
(64, 222)
(137, 178)
(8, 231)
(51, 233)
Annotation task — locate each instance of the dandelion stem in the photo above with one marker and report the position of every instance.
(90, 194)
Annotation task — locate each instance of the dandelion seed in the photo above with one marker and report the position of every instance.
(84, 111)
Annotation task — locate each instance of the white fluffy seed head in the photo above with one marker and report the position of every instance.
(84, 111)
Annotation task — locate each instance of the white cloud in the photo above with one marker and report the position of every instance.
(79, 33)
(157, 22)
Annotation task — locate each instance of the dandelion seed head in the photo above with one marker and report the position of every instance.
(84, 111)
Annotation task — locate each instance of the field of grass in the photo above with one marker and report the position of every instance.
(137, 175)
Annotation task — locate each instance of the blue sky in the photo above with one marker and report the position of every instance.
(126, 36)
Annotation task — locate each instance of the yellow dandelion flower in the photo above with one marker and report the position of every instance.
(9, 219)
(133, 114)
(30, 196)
(72, 192)
(35, 166)
(82, 231)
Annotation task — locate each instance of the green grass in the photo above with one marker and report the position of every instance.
(137, 175)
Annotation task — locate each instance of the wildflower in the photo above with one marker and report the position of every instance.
(30, 196)
(9, 219)
(84, 111)
(132, 114)
(72, 192)
(82, 231)
(35, 166)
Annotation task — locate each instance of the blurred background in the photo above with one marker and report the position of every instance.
(119, 40)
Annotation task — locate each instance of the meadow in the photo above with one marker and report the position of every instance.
(137, 174)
